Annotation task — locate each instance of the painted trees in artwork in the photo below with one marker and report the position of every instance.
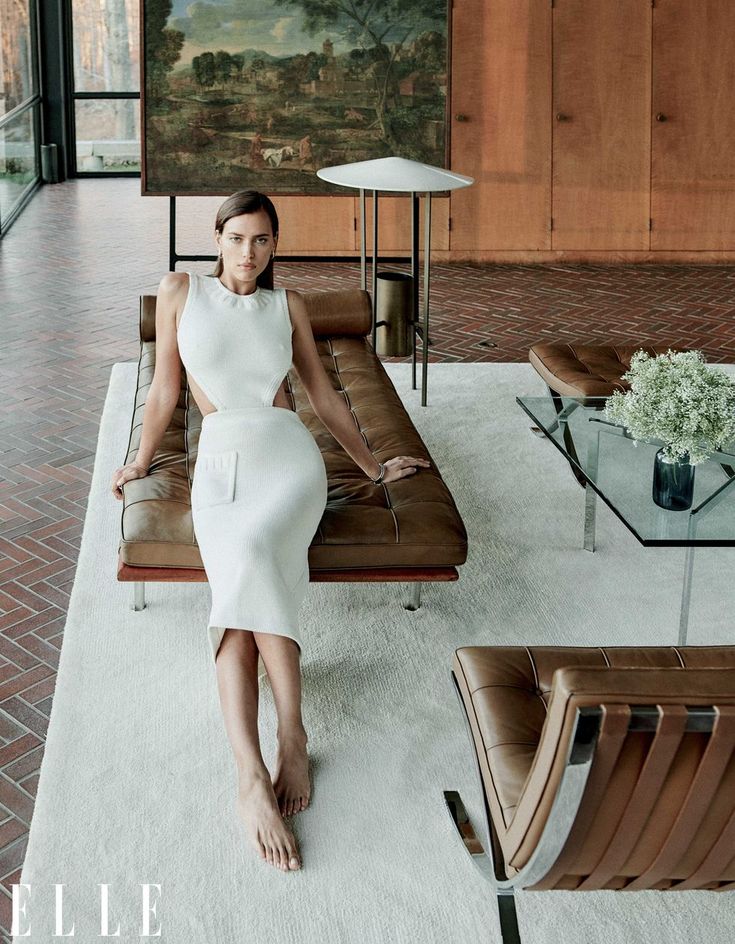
(204, 70)
(381, 29)
(163, 47)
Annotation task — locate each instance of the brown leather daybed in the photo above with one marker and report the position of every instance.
(409, 530)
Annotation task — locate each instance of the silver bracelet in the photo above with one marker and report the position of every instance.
(380, 477)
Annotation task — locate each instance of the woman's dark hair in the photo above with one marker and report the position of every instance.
(247, 201)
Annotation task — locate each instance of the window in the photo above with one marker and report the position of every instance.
(106, 92)
(19, 108)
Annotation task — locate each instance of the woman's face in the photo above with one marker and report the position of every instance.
(247, 243)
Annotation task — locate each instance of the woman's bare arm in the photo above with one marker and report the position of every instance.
(163, 394)
(328, 405)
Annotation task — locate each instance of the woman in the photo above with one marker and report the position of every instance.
(259, 489)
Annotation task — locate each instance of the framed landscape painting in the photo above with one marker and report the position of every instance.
(242, 93)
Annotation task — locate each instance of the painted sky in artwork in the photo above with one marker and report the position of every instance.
(235, 25)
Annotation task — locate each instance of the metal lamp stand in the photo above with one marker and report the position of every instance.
(416, 327)
(404, 176)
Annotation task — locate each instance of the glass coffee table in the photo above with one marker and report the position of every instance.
(610, 464)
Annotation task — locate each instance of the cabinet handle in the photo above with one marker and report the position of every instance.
(561, 117)
(660, 116)
(460, 117)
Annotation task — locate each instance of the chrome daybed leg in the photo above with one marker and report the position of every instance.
(138, 595)
(414, 600)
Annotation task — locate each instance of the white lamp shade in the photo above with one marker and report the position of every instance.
(394, 173)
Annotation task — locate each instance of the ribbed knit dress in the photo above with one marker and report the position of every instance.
(260, 486)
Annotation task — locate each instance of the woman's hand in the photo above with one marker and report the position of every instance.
(122, 475)
(402, 466)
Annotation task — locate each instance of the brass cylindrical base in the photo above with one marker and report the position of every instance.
(394, 314)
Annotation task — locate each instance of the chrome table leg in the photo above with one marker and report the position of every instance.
(590, 514)
(590, 495)
(686, 594)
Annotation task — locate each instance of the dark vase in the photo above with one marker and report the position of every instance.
(673, 483)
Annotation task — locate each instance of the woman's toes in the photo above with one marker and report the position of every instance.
(294, 862)
(293, 854)
(263, 815)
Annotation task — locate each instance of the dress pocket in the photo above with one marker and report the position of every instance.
(214, 479)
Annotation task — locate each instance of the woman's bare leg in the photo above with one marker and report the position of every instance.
(237, 681)
(281, 657)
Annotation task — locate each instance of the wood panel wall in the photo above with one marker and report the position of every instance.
(500, 125)
(693, 127)
(596, 130)
(600, 128)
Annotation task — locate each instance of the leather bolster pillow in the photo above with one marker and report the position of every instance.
(342, 313)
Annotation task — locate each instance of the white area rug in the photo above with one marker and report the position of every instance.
(137, 783)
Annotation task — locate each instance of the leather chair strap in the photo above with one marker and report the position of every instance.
(704, 786)
(666, 741)
(613, 731)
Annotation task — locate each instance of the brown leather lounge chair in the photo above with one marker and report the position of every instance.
(600, 768)
(408, 531)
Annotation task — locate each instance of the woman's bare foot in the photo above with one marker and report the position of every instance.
(291, 782)
(258, 808)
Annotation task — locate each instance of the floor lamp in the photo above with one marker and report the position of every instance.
(405, 176)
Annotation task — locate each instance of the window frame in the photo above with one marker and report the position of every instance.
(33, 104)
(73, 96)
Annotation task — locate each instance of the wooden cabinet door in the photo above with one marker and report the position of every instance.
(601, 124)
(501, 88)
(316, 225)
(394, 223)
(693, 127)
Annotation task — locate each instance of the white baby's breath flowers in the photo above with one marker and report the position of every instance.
(678, 399)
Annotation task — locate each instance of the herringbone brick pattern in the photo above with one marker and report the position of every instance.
(71, 270)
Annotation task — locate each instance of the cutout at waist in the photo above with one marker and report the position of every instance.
(245, 410)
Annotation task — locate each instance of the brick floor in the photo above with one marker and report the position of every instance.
(71, 269)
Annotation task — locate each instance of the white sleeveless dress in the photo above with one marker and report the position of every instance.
(260, 486)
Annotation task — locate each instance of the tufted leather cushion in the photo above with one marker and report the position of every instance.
(411, 523)
(507, 695)
(591, 370)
